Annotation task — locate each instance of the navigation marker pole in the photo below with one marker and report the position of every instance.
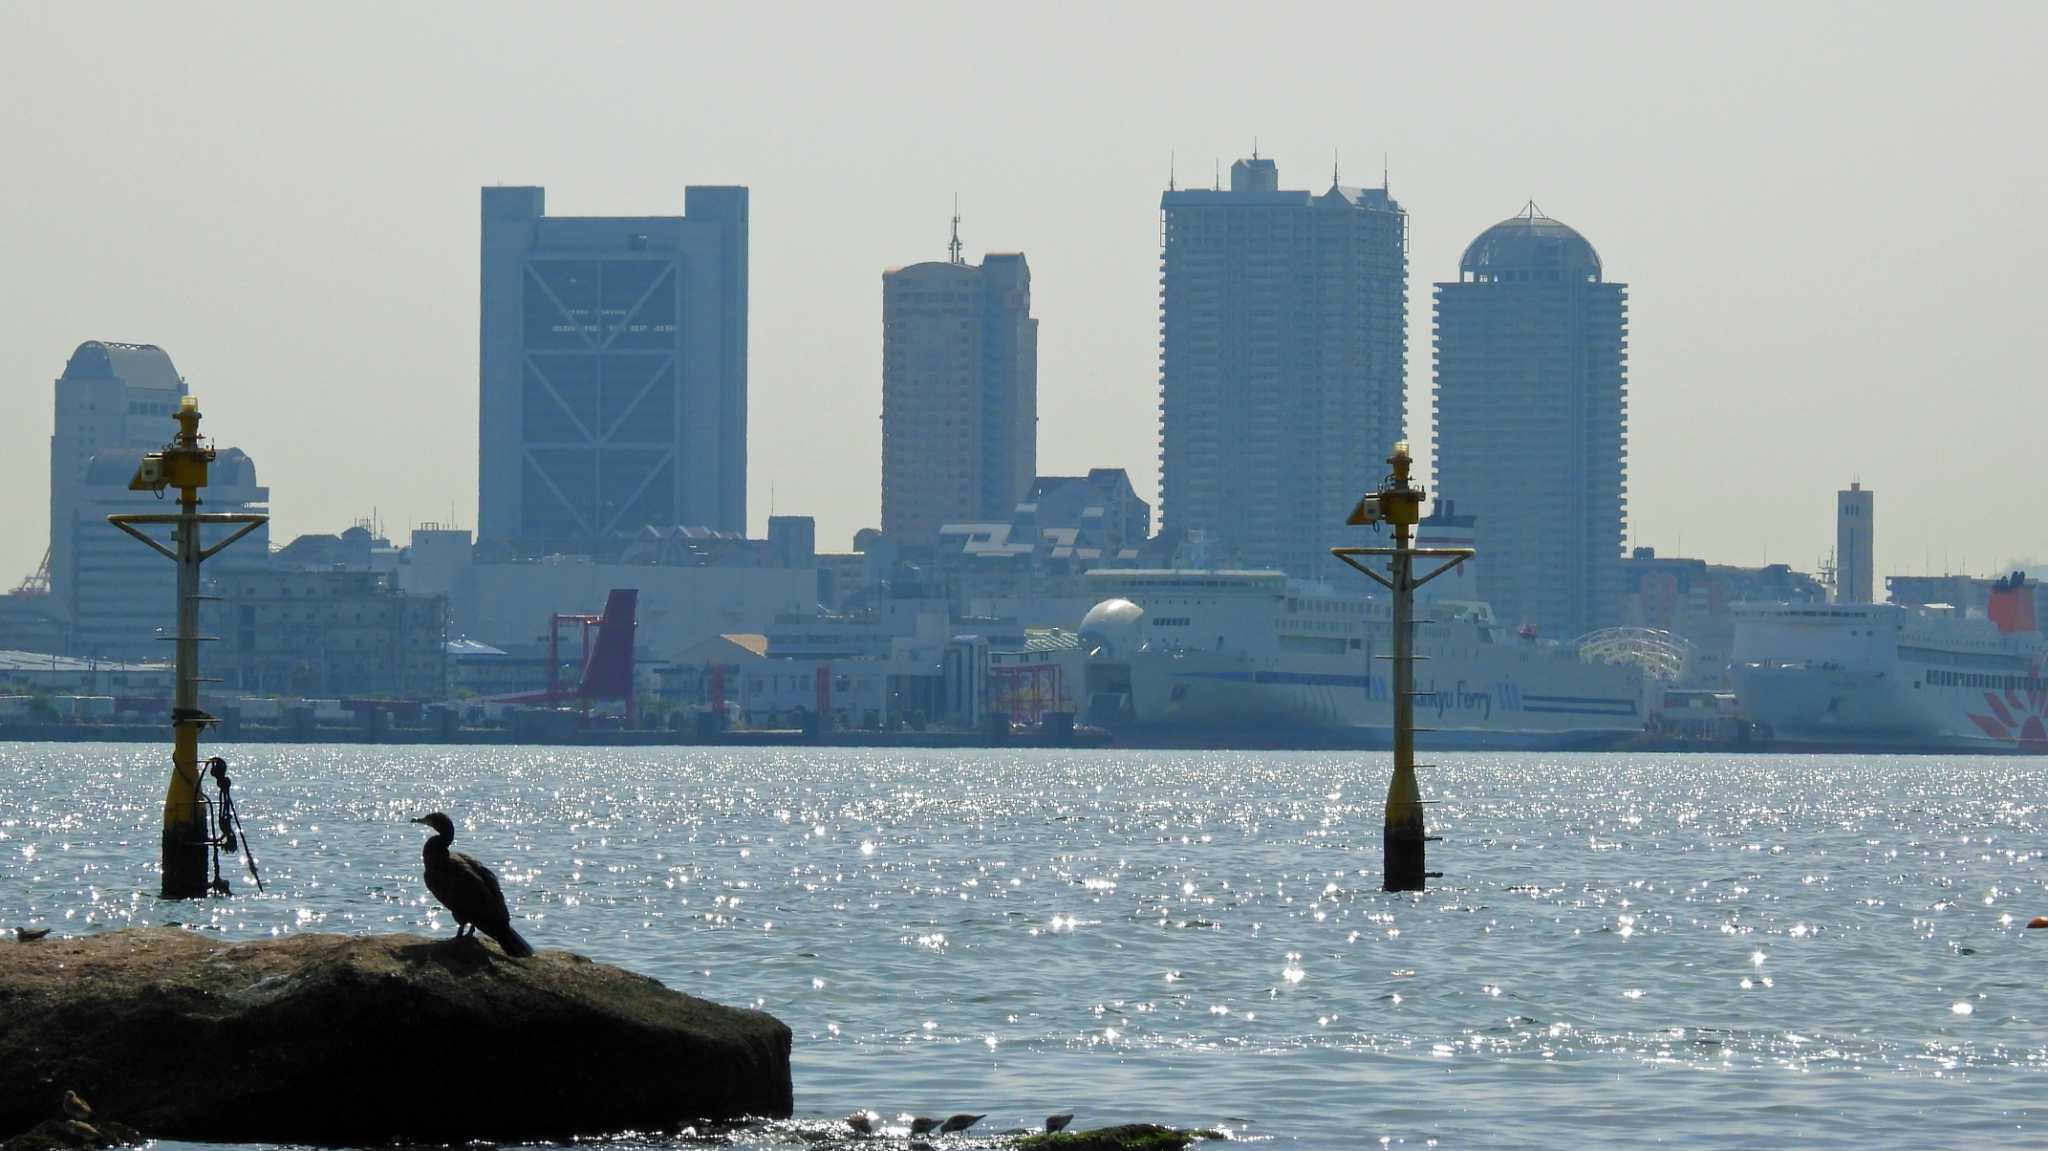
(183, 465)
(1399, 502)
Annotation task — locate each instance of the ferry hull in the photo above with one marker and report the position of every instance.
(1221, 700)
(1886, 678)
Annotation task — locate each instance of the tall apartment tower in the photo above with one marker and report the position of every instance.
(1532, 421)
(1282, 365)
(1855, 568)
(612, 371)
(959, 393)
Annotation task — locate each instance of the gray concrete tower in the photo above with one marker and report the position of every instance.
(1855, 568)
(612, 371)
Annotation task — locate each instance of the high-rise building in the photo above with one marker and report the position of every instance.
(114, 402)
(1531, 421)
(959, 393)
(1855, 567)
(110, 396)
(1283, 361)
(612, 371)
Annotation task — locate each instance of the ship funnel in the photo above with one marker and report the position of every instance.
(2012, 605)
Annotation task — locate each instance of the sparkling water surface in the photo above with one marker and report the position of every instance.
(1693, 950)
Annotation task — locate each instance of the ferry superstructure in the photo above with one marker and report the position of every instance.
(1252, 657)
(1891, 677)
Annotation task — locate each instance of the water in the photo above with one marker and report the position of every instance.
(1692, 950)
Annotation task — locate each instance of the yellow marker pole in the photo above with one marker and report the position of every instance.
(1399, 502)
(183, 464)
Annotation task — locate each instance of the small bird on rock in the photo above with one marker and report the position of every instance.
(922, 1124)
(1058, 1122)
(76, 1108)
(959, 1123)
(30, 934)
(861, 1122)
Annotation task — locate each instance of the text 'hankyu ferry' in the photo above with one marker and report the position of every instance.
(1250, 658)
(1897, 678)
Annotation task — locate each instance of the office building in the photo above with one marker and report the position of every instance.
(1283, 360)
(110, 396)
(612, 371)
(1532, 419)
(124, 595)
(114, 402)
(1855, 567)
(959, 392)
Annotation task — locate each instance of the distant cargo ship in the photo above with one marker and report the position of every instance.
(1889, 677)
(1252, 658)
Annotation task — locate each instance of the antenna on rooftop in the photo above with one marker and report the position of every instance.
(1219, 173)
(1171, 159)
(1255, 147)
(1384, 186)
(953, 249)
(1333, 167)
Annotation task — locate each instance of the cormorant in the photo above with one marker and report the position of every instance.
(468, 889)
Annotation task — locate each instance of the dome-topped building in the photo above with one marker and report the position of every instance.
(1530, 246)
(1532, 421)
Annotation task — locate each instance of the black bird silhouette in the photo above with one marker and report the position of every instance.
(1058, 1122)
(468, 889)
(30, 934)
(861, 1122)
(959, 1123)
(922, 1124)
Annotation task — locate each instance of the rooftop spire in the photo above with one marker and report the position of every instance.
(953, 249)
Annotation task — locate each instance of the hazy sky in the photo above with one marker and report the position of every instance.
(1830, 219)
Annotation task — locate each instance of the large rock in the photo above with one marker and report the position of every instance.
(350, 1039)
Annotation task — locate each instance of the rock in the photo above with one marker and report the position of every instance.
(369, 1039)
(1128, 1137)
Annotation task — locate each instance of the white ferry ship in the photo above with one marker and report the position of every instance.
(1250, 657)
(1889, 677)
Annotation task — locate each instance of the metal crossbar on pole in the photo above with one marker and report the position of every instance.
(1398, 501)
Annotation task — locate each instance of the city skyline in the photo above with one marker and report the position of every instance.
(1782, 317)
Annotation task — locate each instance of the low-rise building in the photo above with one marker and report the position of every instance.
(328, 633)
(45, 674)
(1691, 598)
